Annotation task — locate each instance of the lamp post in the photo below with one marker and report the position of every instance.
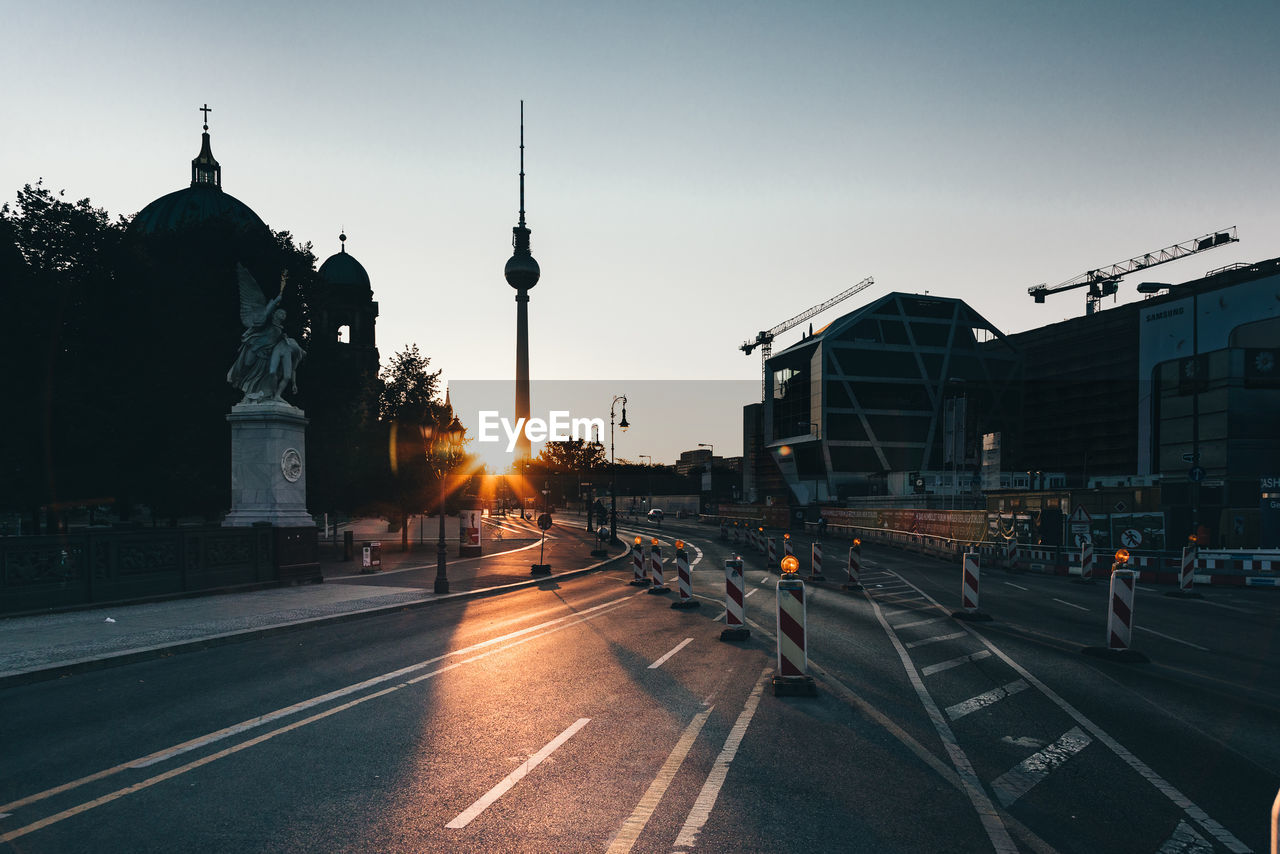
(613, 466)
(649, 475)
(445, 448)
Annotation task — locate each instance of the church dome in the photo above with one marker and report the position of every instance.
(343, 270)
(204, 201)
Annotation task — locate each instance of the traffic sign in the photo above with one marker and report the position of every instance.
(1190, 458)
(1196, 474)
(1079, 515)
(1131, 538)
(544, 521)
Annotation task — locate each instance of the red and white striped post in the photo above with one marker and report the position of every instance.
(734, 597)
(792, 677)
(854, 566)
(773, 552)
(760, 538)
(1086, 560)
(639, 578)
(1120, 615)
(685, 579)
(970, 581)
(655, 567)
(787, 549)
(815, 563)
(1187, 573)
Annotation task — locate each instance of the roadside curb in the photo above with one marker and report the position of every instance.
(84, 665)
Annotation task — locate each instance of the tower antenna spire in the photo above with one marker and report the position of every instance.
(522, 162)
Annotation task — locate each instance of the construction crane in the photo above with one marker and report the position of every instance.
(1104, 282)
(764, 340)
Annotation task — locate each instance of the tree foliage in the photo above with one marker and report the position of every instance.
(572, 455)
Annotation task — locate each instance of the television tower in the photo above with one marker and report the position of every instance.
(522, 273)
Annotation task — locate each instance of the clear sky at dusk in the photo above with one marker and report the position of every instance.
(696, 172)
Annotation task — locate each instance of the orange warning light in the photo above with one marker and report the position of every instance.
(786, 536)
(654, 541)
(638, 540)
(679, 544)
(790, 565)
(1122, 557)
(857, 541)
(1192, 539)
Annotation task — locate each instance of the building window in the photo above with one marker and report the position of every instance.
(344, 334)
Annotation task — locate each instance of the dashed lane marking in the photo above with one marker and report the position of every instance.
(1172, 638)
(1070, 604)
(935, 639)
(954, 662)
(981, 701)
(1019, 586)
(464, 818)
(915, 623)
(678, 647)
(1020, 779)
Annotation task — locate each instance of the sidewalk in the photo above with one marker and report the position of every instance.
(44, 646)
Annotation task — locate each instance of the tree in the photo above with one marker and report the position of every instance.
(572, 455)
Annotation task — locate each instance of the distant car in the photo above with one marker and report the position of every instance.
(655, 515)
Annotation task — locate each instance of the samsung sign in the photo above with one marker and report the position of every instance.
(1161, 315)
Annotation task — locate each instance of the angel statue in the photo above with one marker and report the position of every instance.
(268, 359)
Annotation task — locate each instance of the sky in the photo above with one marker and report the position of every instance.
(696, 172)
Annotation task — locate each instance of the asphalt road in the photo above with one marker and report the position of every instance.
(587, 715)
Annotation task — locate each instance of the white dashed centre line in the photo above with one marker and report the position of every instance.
(664, 658)
(1070, 604)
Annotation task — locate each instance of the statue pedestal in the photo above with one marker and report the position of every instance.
(268, 465)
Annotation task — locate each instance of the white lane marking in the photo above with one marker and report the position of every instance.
(697, 560)
(935, 639)
(981, 701)
(678, 647)
(632, 827)
(1216, 830)
(751, 591)
(987, 815)
(1019, 586)
(720, 770)
(1019, 779)
(953, 662)
(5, 814)
(915, 623)
(1172, 638)
(464, 818)
(1147, 589)
(236, 729)
(1220, 605)
(1070, 604)
(1185, 840)
(236, 748)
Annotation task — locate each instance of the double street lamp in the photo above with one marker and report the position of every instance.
(613, 466)
(445, 449)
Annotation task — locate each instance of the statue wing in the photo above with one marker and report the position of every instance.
(252, 302)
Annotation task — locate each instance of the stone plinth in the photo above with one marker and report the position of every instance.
(268, 465)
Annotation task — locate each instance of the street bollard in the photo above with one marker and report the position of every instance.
(685, 579)
(1187, 572)
(760, 540)
(970, 580)
(655, 566)
(1120, 614)
(773, 554)
(734, 614)
(792, 677)
(787, 549)
(737, 535)
(1086, 562)
(815, 563)
(854, 567)
(639, 579)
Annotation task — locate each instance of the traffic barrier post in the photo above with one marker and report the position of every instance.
(734, 601)
(655, 567)
(1187, 571)
(815, 563)
(970, 582)
(1120, 614)
(685, 579)
(639, 577)
(792, 677)
(854, 567)
(1086, 562)
(773, 553)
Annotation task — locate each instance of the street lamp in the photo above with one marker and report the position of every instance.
(444, 445)
(613, 467)
(649, 474)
